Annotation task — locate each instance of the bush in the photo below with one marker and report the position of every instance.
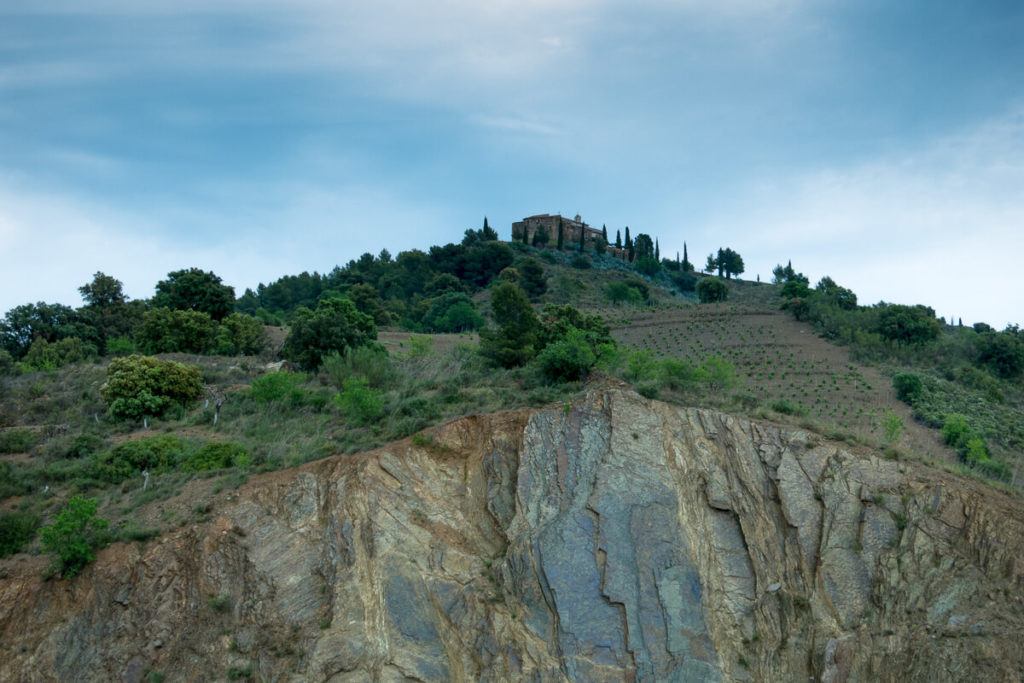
(581, 262)
(334, 325)
(569, 359)
(648, 265)
(241, 335)
(908, 324)
(712, 289)
(452, 312)
(13, 480)
(908, 387)
(16, 529)
(6, 363)
(278, 386)
(164, 330)
(956, 431)
(43, 355)
(126, 460)
(75, 535)
(892, 426)
(121, 346)
(17, 440)
(628, 292)
(787, 407)
(718, 373)
(372, 363)
(139, 386)
(685, 281)
(1002, 353)
(359, 403)
(218, 456)
(83, 446)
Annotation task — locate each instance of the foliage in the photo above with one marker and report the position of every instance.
(241, 335)
(217, 456)
(6, 362)
(126, 460)
(892, 426)
(628, 291)
(138, 386)
(787, 407)
(569, 359)
(121, 346)
(44, 355)
(685, 280)
(17, 440)
(23, 324)
(908, 387)
(908, 324)
(16, 529)
(334, 325)
(1002, 352)
(514, 340)
(278, 386)
(728, 263)
(648, 265)
(581, 262)
(166, 330)
(452, 312)
(75, 535)
(841, 297)
(359, 402)
(370, 363)
(712, 289)
(195, 290)
(532, 278)
(367, 300)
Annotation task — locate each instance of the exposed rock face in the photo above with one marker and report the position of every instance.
(616, 539)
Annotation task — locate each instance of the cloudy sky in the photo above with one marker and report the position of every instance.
(881, 143)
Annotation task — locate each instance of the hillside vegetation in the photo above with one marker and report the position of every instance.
(107, 411)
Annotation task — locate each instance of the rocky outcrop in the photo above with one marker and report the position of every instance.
(612, 539)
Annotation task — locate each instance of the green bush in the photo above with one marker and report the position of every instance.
(43, 355)
(685, 281)
(908, 387)
(581, 262)
(956, 431)
(451, 312)
(16, 529)
(359, 403)
(278, 386)
(129, 459)
(75, 535)
(711, 290)
(240, 335)
(6, 363)
(892, 426)
(13, 480)
(335, 325)
(165, 330)
(17, 440)
(718, 373)
(515, 340)
(907, 324)
(677, 374)
(628, 292)
(218, 456)
(568, 359)
(121, 346)
(139, 386)
(83, 446)
(372, 363)
(787, 407)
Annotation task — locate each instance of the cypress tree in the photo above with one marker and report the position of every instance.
(629, 242)
(687, 266)
(657, 251)
(618, 239)
(583, 237)
(561, 233)
(604, 233)
(526, 235)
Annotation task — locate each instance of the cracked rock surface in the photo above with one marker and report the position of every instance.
(615, 539)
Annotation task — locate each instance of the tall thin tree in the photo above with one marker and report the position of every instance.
(561, 233)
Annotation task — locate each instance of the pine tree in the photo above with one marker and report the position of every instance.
(618, 239)
(720, 262)
(561, 234)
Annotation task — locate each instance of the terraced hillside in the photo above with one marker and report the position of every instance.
(781, 363)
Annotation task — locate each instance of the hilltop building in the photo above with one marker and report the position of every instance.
(571, 227)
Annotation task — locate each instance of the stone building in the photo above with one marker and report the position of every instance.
(571, 227)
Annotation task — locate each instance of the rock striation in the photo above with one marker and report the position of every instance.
(611, 539)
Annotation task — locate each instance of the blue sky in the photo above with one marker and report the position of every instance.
(881, 143)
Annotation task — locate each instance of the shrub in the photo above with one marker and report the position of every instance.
(241, 335)
(956, 431)
(16, 529)
(628, 292)
(13, 480)
(787, 407)
(218, 456)
(677, 374)
(372, 363)
(334, 325)
(908, 387)
(75, 535)
(712, 289)
(908, 324)
(1002, 353)
(892, 426)
(128, 459)
(718, 373)
(83, 446)
(359, 403)
(164, 330)
(17, 440)
(581, 262)
(121, 346)
(43, 355)
(6, 363)
(139, 386)
(278, 386)
(452, 312)
(648, 265)
(685, 281)
(568, 359)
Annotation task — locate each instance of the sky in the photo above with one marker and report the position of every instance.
(879, 143)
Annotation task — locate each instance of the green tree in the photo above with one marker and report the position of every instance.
(24, 324)
(334, 325)
(75, 535)
(561, 234)
(908, 386)
(514, 340)
(729, 262)
(908, 324)
(711, 265)
(568, 359)
(103, 291)
(452, 312)
(540, 236)
(141, 386)
(241, 335)
(643, 246)
(367, 300)
(1001, 352)
(604, 233)
(618, 239)
(687, 267)
(712, 289)
(532, 279)
(164, 330)
(657, 252)
(43, 355)
(195, 290)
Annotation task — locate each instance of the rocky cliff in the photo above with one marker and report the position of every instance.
(612, 539)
